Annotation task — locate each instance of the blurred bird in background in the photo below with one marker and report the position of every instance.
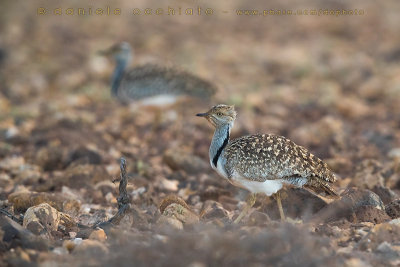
(153, 86)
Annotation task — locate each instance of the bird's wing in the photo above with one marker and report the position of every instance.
(268, 157)
(149, 80)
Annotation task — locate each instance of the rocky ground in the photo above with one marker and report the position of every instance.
(331, 84)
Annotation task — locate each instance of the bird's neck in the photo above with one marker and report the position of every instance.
(219, 142)
(118, 75)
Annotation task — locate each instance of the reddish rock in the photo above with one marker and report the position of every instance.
(296, 203)
(23, 200)
(393, 209)
(370, 214)
(212, 210)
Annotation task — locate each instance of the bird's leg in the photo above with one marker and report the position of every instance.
(278, 201)
(249, 203)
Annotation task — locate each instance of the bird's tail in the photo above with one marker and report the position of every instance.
(320, 186)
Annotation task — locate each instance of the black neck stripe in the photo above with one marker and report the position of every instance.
(219, 151)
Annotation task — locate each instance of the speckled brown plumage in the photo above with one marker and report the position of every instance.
(150, 80)
(263, 163)
(267, 156)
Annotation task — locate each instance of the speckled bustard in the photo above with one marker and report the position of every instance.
(263, 163)
(152, 84)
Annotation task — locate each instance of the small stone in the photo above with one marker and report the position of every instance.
(41, 219)
(175, 207)
(110, 198)
(24, 199)
(213, 193)
(186, 216)
(68, 223)
(69, 245)
(393, 209)
(170, 199)
(358, 197)
(371, 214)
(50, 158)
(394, 153)
(349, 204)
(169, 221)
(385, 194)
(395, 222)
(387, 250)
(212, 210)
(90, 247)
(257, 218)
(356, 262)
(11, 163)
(98, 235)
(180, 160)
(60, 251)
(5, 181)
(83, 155)
(14, 235)
(170, 185)
(23, 255)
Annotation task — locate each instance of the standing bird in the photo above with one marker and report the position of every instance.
(152, 84)
(263, 163)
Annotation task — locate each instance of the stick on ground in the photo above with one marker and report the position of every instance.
(123, 199)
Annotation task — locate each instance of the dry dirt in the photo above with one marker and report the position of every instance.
(331, 84)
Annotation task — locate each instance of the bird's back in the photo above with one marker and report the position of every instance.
(152, 80)
(268, 157)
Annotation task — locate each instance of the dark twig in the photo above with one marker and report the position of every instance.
(12, 217)
(123, 199)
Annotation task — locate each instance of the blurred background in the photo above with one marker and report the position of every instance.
(313, 78)
(330, 83)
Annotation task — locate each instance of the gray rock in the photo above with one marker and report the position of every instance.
(352, 203)
(14, 235)
(385, 194)
(178, 160)
(213, 210)
(90, 247)
(42, 219)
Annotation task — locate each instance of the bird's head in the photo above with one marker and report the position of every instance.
(120, 51)
(220, 115)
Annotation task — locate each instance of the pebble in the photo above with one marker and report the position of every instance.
(41, 219)
(98, 235)
(169, 221)
(23, 200)
(180, 160)
(90, 247)
(213, 210)
(14, 235)
(393, 209)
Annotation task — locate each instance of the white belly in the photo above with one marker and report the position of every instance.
(268, 187)
(160, 100)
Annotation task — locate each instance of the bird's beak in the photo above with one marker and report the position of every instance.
(202, 114)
